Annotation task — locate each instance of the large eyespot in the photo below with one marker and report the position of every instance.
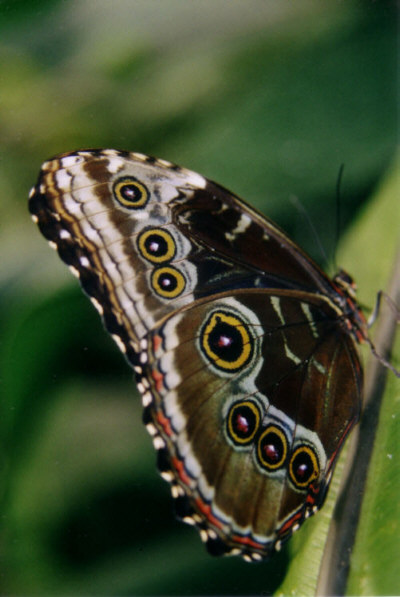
(156, 245)
(243, 422)
(303, 466)
(272, 448)
(168, 282)
(131, 193)
(226, 342)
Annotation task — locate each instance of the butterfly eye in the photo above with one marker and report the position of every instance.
(168, 282)
(226, 342)
(131, 193)
(156, 245)
(243, 422)
(272, 448)
(303, 466)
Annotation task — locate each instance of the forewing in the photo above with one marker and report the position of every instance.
(146, 238)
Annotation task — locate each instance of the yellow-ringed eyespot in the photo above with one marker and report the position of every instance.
(272, 448)
(168, 282)
(303, 466)
(243, 422)
(156, 245)
(130, 192)
(226, 342)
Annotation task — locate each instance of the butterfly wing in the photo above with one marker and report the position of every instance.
(109, 216)
(250, 377)
(113, 213)
(224, 223)
(249, 402)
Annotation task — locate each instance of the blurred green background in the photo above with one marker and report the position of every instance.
(267, 98)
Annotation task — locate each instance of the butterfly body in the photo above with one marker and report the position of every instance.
(245, 352)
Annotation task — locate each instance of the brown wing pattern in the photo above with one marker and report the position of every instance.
(310, 397)
(244, 351)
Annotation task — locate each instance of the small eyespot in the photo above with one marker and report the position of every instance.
(243, 422)
(272, 448)
(130, 193)
(226, 341)
(168, 282)
(156, 245)
(303, 466)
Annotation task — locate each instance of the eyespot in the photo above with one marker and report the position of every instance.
(168, 282)
(243, 422)
(226, 342)
(130, 193)
(303, 466)
(156, 245)
(272, 448)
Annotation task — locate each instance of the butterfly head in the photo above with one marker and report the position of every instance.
(346, 283)
(346, 298)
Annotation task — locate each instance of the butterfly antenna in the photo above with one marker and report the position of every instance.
(301, 209)
(338, 214)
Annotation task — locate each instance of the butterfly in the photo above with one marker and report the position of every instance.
(244, 350)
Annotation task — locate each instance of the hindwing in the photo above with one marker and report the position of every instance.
(249, 438)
